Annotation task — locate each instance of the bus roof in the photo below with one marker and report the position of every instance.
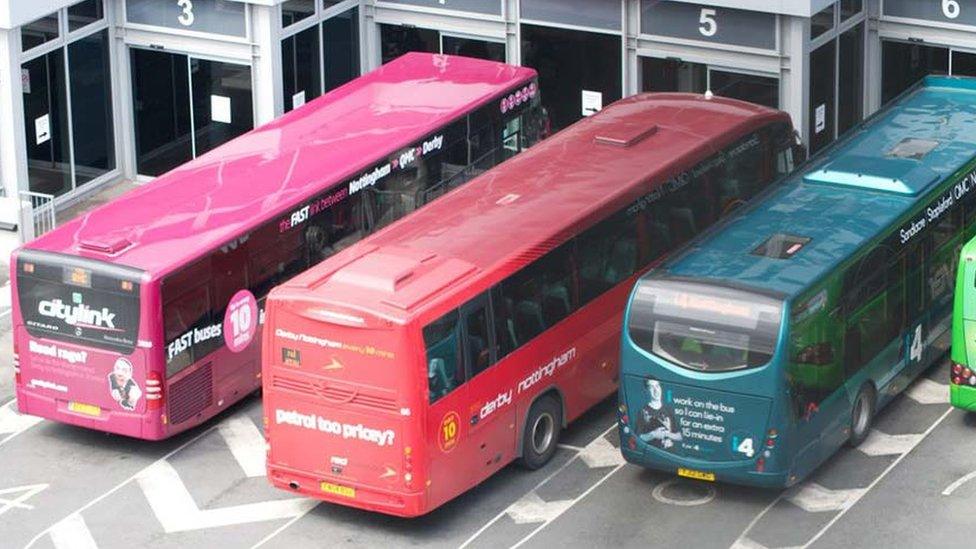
(517, 211)
(210, 200)
(848, 195)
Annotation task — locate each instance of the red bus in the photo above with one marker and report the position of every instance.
(138, 318)
(410, 367)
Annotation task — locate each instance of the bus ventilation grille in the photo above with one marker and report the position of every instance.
(191, 395)
(336, 394)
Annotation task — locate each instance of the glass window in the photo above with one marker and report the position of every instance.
(85, 13)
(91, 107)
(850, 79)
(472, 47)
(504, 311)
(761, 90)
(963, 63)
(904, 64)
(46, 121)
(187, 306)
(850, 8)
(300, 68)
(397, 40)
(160, 103)
(703, 327)
(443, 343)
(340, 35)
(673, 75)
(293, 11)
(476, 342)
(222, 102)
(608, 254)
(570, 62)
(823, 64)
(822, 21)
(39, 31)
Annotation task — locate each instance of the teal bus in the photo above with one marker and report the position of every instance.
(772, 340)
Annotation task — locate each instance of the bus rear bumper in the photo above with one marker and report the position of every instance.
(962, 396)
(734, 473)
(130, 424)
(368, 498)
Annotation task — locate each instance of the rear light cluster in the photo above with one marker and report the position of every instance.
(154, 391)
(767, 451)
(16, 365)
(408, 466)
(624, 420)
(961, 375)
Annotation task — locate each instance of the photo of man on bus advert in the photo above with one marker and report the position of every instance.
(124, 390)
(656, 424)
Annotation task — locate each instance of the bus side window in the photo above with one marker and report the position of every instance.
(181, 314)
(477, 339)
(229, 271)
(442, 339)
(864, 297)
(503, 310)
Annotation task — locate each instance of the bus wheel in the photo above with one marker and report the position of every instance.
(541, 433)
(862, 415)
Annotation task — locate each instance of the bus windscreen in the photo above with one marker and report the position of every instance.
(79, 303)
(703, 327)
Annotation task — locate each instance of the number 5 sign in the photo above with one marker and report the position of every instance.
(240, 321)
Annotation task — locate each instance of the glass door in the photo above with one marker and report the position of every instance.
(184, 106)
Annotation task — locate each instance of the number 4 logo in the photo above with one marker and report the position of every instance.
(918, 345)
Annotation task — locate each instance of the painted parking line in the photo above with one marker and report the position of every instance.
(114, 489)
(517, 508)
(72, 533)
(246, 443)
(813, 497)
(13, 423)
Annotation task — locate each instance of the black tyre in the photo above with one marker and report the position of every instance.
(540, 436)
(862, 415)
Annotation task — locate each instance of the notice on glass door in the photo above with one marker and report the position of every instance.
(592, 102)
(298, 99)
(820, 118)
(25, 80)
(220, 109)
(42, 129)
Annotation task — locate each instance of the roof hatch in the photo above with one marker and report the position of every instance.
(894, 175)
(781, 246)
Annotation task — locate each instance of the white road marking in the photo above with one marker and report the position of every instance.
(883, 444)
(72, 533)
(119, 486)
(814, 498)
(746, 543)
(26, 492)
(571, 504)
(531, 508)
(601, 453)
(926, 391)
(177, 512)
(745, 533)
(955, 485)
(541, 483)
(12, 422)
(883, 474)
(245, 442)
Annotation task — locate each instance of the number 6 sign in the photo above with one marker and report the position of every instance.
(240, 321)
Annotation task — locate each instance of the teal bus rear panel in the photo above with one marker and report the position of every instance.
(776, 337)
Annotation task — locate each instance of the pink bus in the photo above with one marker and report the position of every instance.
(141, 317)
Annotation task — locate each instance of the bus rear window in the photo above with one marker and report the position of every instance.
(704, 327)
(79, 301)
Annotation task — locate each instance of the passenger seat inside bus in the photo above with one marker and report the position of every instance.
(528, 319)
(439, 381)
(622, 262)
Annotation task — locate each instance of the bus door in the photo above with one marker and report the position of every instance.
(491, 413)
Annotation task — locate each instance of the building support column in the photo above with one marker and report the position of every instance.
(266, 64)
(13, 142)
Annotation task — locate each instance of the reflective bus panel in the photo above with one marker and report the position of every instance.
(142, 317)
(410, 367)
(752, 357)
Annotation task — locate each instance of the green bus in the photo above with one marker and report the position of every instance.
(962, 377)
(776, 337)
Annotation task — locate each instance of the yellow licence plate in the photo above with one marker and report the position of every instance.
(344, 491)
(698, 475)
(87, 409)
